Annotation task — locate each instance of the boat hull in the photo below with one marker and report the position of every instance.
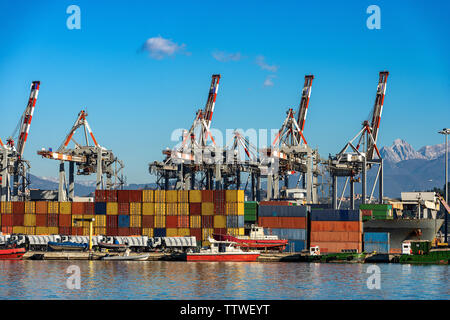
(141, 257)
(223, 257)
(61, 246)
(12, 254)
(253, 243)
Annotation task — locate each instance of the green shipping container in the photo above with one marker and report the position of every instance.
(376, 207)
(422, 246)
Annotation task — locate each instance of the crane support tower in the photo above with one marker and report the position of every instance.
(89, 159)
(355, 160)
(11, 155)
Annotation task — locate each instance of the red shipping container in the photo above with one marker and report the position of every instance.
(112, 231)
(197, 233)
(124, 208)
(337, 247)
(219, 208)
(336, 226)
(7, 229)
(7, 220)
(207, 196)
(100, 195)
(77, 231)
(52, 220)
(41, 207)
(135, 195)
(171, 221)
(195, 209)
(219, 195)
(65, 230)
(282, 222)
(112, 221)
(220, 231)
(42, 220)
(207, 221)
(124, 232)
(18, 220)
(135, 231)
(18, 207)
(89, 208)
(183, 222)
(148, 221)
(65, 220)
(111, 195)
(123, 196)
(78, 207)
(336, 236)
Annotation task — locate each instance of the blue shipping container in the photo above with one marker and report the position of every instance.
(335, 215)
(378, 247)
(123, 221)
(159, 232)
(100, 208)
(377, 237)
(295, 246)
(282, 211)
(232, 221)
(293, 234)
(240, 221)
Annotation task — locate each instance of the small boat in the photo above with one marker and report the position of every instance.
(67, 246)
(113, 246)
(137, 257)
(12, 253)
(223, 251)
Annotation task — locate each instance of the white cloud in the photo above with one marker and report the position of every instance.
(225, 57)
(261, 61)
(268, 82)
(159, 48)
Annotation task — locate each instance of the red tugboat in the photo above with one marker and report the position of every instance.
(222, 251)
(12, 253)
(256, 240)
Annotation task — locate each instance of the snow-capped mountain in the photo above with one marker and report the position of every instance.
(400, 150)
(432, 152)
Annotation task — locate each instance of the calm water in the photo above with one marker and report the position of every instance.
(182, 280)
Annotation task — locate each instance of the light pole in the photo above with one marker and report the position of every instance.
(446, 132)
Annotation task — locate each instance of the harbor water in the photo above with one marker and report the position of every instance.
(189, 280)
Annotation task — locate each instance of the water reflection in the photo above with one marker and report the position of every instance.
(204, 280)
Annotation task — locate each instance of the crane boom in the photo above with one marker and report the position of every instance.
(304, 102)
(27, 116)
(81, 120)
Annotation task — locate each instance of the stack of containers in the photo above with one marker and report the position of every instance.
(135, 212)
(148, 212)
(207, 215)
(41, 211)
(159, 229)
(183, 220)
(112, 222)
(234, 211)
(18, 215)
(287, 222)
(101, 210)
(171, 213)
(376, 211)
(250, 212)
(6, 219)
(30, 218)
(123, 217)
(195, 214)
(336, 230)
(378, 242)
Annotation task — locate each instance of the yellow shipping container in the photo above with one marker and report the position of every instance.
(207, 233)
(236, 231)
(148, 208)
(53, 230)
(234, 195)
(171, 196)
(195, 221)
(160, 221)
(160, 195)
(220, 221)
(184, 232)
(135, 221)
(18, 229)
(77, 224)
(183, 209)
(89, 216)
(41, 230)
(160, 209)
(241, 231)
(30, 230)
(7, 207)
(195, 196)
(100, 221)
(29, 220)
(100, 231)
(64, 208)
(148, 196)
(171, 208)
(86, 231)
(30, 207)
(171, 232)
(207, 208)
(112, 208)
(135, 208)
(234, 208)
(183, 196)
(147, 232)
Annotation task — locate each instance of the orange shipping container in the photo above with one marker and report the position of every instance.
(337, 236)
(349, 226)
(18, 207)
(172, 208)
(337, 247)
(78, 208)
(282, 222)
(41, 207)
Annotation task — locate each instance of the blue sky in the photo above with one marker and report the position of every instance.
(135, 100)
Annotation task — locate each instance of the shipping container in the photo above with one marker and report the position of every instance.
(352, 226)
(135, 208)
(89, 208)
(207, 207)
(276, 203)
(171, 222)
(64, 220)
(183, 232)
(197, 233)
(336, 236)
(195, 196)
(148, 196)
(18, 229)
(195, 208)
(6, 207)
(171, 196)
(148, 222)
(123, 196)
(160, 196)
(112, 208)
(378, 247)
(7, 229)
(207, 221)
(100, 208)
(207, 196)
(64, 230)
(53, 219)
(124, 231)
(112, 222)
(295, 245)
(112, 231)
(171, 232)
(135, 231)
(18, 219)
(220, 208)
(234, 195)
(232, 221)
(207, 233)
(183, 196)
(87, 216)
(172, 208)
(123, 221)
(160, 209)
(111, 195)
(377, 237)
(123, 208)
(7, 220)
(236, 231)
(42, 231)
(195, 221)
(135, 195)
(76, 223)
(53, 230)
(160, 222)
(41, 207)
(30, 207)
(183, 222)
(293, 234)
(29, 220)
(64, 208)
(221, 221)
(100, 221)
(148, 208)
(78, 208)
(18, 207)
(220, 230)
(30, 230)
(42, 219)
(335, 215)
(283, 222)
(159, 232)
(282, 211)
(100, 231)
(147, 231)
(337, 247)
(100, 195)
(183, 209)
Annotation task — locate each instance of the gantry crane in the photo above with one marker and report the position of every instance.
(353, 160)
(11, 156)
(194, 154)
(290, 152)
(89, 159)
